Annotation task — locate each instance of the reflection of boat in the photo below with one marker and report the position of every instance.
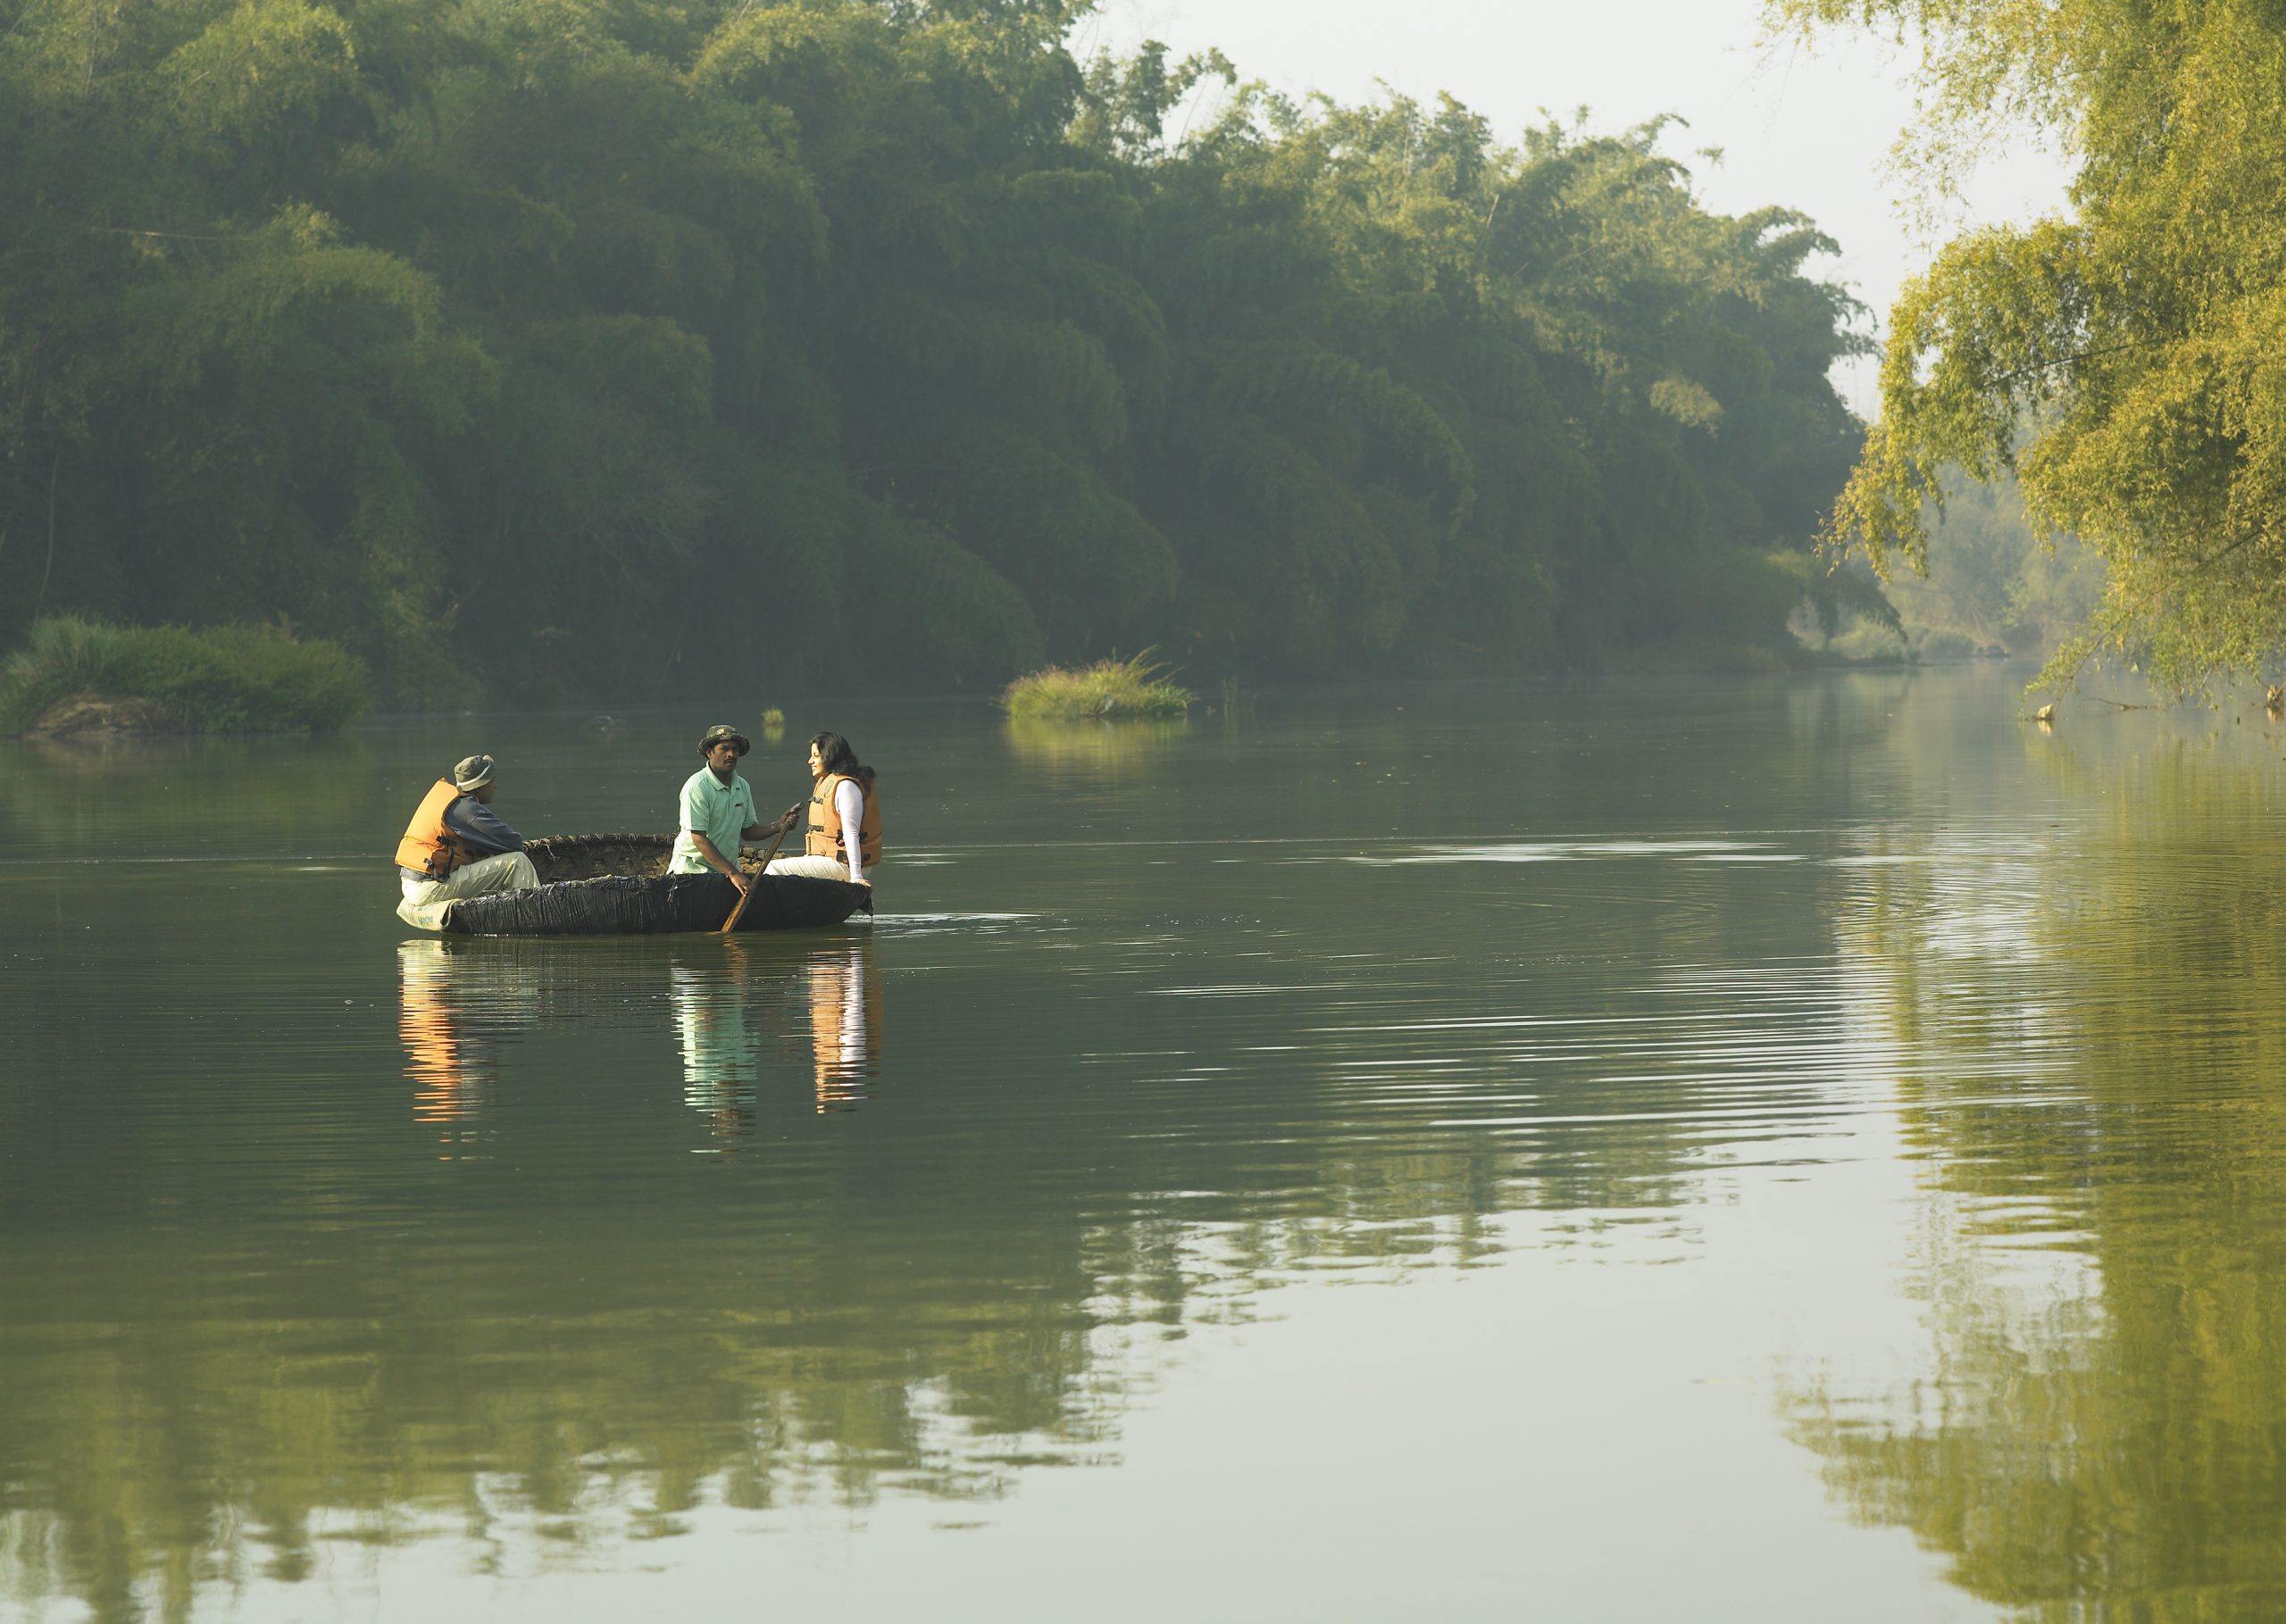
(845, 1024)
(721, 1057)
(618, 885)
(449, 1029)
(742, 1010)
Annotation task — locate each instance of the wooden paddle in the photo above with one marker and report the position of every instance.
(731, 923)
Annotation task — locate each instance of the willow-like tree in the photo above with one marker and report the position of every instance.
(2138, 335)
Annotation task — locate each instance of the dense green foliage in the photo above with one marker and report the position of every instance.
(1115, 688)
(221, 679)
(593, 348)
(2141, 336)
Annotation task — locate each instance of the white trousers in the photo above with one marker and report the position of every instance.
(809, 867)
(423, 907)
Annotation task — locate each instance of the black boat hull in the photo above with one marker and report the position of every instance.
(614, 885)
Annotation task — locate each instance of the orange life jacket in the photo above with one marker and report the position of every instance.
(429, 847)
(432, 1045)
(845, 1028)
(824, 841)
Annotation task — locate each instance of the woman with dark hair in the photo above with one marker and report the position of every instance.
(842, 837)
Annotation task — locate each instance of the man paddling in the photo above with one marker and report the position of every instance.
(457, 847)
(717, 811)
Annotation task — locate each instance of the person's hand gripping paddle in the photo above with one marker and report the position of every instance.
(784, 824)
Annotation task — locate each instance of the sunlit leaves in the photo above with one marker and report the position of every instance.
(256, 69)
(2138, 339)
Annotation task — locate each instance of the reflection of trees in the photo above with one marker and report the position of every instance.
(2095, 1038)
(297, 794)
(972, 1274)
(386, 1398)
(440, 1348)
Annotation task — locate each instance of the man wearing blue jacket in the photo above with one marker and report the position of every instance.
(456, 846)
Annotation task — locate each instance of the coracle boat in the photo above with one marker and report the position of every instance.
(618, 885)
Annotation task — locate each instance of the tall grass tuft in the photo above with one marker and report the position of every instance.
(1105, 691)
(220, 680)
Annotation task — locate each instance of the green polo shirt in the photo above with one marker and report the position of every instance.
(716, 809)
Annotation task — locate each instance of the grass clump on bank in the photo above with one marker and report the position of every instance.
(1108, 690)
(222, 679)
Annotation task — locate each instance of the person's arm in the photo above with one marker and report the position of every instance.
(751, 825)
(781, 825)
(714, 860)
(849, 812)
(694, 815)
(481, 828)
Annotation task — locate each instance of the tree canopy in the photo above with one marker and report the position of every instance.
(2138, 339)
(589, 347)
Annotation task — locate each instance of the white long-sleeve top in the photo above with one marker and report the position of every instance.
(849, 811)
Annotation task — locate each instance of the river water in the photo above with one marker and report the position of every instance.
(1761, 1149)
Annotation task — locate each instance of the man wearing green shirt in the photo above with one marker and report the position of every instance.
(717, 811)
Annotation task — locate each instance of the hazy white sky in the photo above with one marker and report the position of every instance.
(1811, 130)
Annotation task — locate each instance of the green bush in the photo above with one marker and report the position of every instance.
(1107, 689)
(220, 680)
(1869, 642)
(1936, 645)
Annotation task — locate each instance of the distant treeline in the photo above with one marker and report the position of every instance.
(616, 347)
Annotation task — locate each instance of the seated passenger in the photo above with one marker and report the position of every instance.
(843, 837)
(455, 847)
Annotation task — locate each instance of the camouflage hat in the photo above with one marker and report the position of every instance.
(719, 734)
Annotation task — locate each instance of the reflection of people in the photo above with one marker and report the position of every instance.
(717, 810)
(844, 834)
(456, 846)
(845, 1022)
(721, 1057)
(445, 1059)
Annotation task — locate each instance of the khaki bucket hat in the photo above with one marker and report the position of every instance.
(474, 772)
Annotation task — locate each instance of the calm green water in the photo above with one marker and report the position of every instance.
(1761, 1150)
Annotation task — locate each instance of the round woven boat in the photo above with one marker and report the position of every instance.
(618, 885)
